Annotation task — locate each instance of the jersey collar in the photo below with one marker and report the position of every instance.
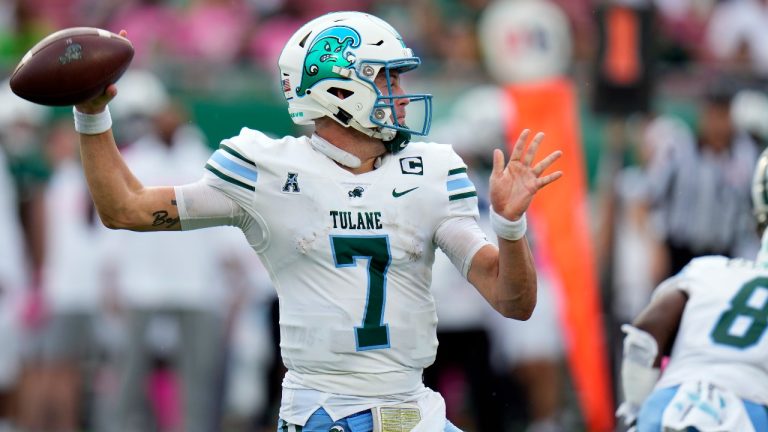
(343, 157)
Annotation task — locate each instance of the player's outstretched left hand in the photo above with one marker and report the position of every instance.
(513, 186)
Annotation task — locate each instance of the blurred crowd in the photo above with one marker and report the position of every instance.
(101, 332)
(687, 33)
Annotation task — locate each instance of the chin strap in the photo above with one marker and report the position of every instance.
(398, 143)
(335, 153)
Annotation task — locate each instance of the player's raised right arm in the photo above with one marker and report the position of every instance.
(121, 200)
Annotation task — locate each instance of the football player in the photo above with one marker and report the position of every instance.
(711, 319)
(346, 221)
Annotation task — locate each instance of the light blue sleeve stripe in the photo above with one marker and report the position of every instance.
(236, 168)
(459, 183)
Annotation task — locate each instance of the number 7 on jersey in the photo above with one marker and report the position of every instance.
(373, 334)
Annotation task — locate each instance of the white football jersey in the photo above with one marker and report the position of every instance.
(349, 255)
(722, 335)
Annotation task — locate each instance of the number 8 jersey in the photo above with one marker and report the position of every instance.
(349, 255)
(722, 335)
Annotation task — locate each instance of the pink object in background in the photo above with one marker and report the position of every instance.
(150, 29)
(34, 310)
(664, 362)
(164, 398)
(214, 31)
(453, 387)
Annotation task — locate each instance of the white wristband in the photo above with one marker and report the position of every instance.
(506, 228)
(92, 124)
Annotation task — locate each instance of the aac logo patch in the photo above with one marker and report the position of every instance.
(292, 183)
(412, 165)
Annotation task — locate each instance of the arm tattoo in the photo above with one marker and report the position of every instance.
(161, 218)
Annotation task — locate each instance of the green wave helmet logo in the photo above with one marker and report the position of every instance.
(329, 48)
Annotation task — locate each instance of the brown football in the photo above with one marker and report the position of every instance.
(71, 66)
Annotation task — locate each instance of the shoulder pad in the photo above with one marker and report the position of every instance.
(705, 263)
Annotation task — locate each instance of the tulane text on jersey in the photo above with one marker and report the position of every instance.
(364, 220)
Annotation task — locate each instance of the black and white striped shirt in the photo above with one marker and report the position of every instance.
(702, 198)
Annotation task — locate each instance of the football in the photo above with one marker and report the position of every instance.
(71, 66)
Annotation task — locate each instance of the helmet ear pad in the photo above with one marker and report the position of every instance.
(344, 99)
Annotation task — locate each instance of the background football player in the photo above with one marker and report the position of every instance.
(711, 320)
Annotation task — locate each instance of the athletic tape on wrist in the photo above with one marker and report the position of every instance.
(507, 229)
(92, 124)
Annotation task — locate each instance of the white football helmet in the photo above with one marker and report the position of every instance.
(340, 54)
